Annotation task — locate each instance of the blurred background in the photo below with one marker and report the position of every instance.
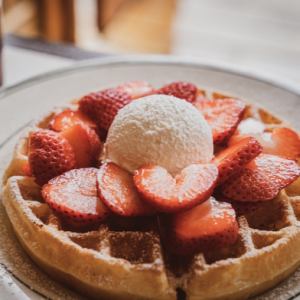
(262, 36)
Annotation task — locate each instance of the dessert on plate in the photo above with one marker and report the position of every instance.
(136, 192)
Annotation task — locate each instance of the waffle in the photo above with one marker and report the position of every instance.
(125, 259)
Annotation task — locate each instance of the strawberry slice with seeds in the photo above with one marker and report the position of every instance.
(231, 160)
(209, 225)
(137, 89)
(283, 142)
(49, 154)
(74, 195)
(116, 189)
(262, 179)
(85, 143)
(192, 186)
(68, 118)
(183, 90)
(103, 106)
(223, 115)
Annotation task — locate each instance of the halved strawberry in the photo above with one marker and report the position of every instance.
(223, 115)
(192, 186)
(180, 89)
(74, 196)
(262, 179)
(231, 160)
(50, 155)
(281, 141)
(209, 225)
(137, 89)
(116, 189)
(103, 106)
(68, 118)
(85, 143)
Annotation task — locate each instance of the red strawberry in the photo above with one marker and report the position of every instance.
(85, 143)
(223, 115)
(192, 186)
(68, 118)
(50, 155)
(231, 160)
(211, 224)
(74, 195)
(116, 189)
(137, 89)
(282, 142)
(103, 106)
(262, 179)
(180, 89)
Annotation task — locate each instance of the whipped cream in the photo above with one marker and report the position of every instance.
(161, 130)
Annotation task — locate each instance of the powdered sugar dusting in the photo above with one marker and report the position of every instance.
(15, 261)
(18, 263)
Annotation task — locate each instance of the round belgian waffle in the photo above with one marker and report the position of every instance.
(126, 260)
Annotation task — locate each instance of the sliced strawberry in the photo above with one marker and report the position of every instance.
(116, 189)
(86, 144)
(50, 155)
(223, 115)
(74, 196)
(262, 179)
(68, 118)
(209, 225)
(283, 142)
(137, 89)
(192, 186)
(180, 89)
(231, 160)
(103, 106)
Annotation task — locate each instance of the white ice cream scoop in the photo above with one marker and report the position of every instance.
(161, 130)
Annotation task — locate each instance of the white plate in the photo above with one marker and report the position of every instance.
(25, 101)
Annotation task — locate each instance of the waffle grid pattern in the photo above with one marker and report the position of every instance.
(139, 248)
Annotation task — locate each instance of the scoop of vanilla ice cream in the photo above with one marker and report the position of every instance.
(161, 130)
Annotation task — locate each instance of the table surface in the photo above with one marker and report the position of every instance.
(20, 64)
(24, 58)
